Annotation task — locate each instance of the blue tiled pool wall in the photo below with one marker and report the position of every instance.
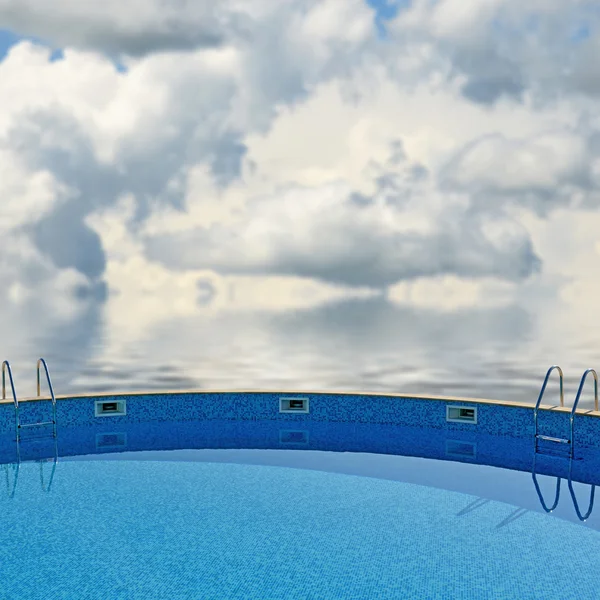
(492, 419)
(191, 417)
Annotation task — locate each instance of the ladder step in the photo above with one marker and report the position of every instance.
(548, 438)
(36, 424)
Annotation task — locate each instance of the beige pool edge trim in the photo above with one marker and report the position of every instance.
(512, 403)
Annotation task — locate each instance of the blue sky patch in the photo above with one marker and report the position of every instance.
(386, 10)
(8, 39)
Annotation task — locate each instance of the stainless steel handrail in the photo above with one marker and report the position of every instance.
(42, 362)
(577, 398)
(583, 378)
(539, 400)
(5, 368)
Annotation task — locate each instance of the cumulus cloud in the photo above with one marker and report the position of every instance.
(303, 34)
(135, 27)
(96, 135)
(406, 230)
(241, 90)
(26, 195)
(545, 171)
(275, 156)
(507, 48)
(75, 153)
(538, 163)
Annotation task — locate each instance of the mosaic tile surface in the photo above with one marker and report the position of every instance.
(492, 419)
(149, 530)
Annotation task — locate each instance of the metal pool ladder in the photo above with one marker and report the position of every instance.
(18, 424)
(539, 436)
(558, 440)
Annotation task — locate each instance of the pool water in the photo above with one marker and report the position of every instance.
(274, 524)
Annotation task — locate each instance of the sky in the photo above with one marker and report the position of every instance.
(185, 157)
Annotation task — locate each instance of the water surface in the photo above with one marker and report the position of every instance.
(359, 345)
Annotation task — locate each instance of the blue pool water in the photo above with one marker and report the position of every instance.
(212, 523)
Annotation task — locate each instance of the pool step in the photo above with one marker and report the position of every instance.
(552, 446)
(38, 424)
(34, 433)
(549, 438)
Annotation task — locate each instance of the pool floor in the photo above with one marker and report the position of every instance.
(214, 525)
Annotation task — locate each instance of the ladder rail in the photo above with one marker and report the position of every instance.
(42, 362)
(6, 368)
(578, 397)
(539, 400)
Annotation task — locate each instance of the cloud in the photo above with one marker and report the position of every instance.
(451, 294)
(135, 28)
(75, 153)
(319, 28)
(26, 196)
(406, 230)
(537, 163)
(544, 171)
(259, 164)
(506, 48)
(98, 135)
(294, 113)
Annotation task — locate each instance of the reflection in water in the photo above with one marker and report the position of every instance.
(541, 497)
(11, 471)
(581, 517)
(549, 509)
(151, 440)
(366, 344)
(576, 504)
(12, 475)
(68, 342)
(354, 345)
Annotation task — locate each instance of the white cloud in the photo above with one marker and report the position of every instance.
(451, 294)
(507, 48)
(26, 196)
(331, 234)
(275, 158)
(548, 163)
(283, 139)
(460, 20)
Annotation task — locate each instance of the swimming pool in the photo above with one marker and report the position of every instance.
(259, 495)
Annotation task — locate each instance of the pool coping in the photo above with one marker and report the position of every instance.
(510, 403)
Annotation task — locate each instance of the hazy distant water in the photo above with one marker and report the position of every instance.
(363, 345)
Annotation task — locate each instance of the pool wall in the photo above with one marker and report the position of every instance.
(503, 435)
(493, 417)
